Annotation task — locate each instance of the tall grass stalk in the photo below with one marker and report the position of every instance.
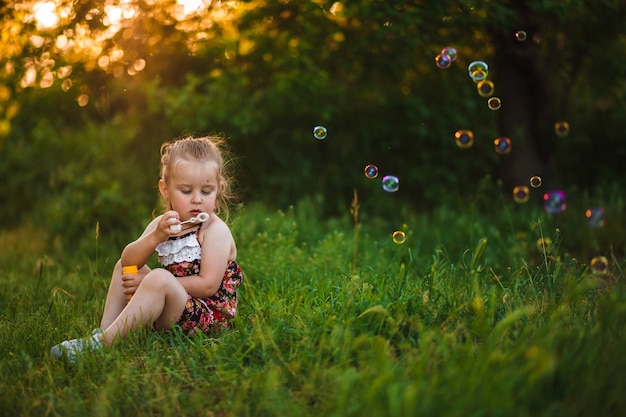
(354, 211)
(97, 246)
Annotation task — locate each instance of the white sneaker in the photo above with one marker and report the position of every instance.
(71, 348)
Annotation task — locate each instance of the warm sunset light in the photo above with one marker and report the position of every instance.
(45, 14)
(81, 38)
(190, 6)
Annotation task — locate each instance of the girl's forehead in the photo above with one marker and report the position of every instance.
(185, 170)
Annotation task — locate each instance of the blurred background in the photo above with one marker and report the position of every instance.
(89, 90)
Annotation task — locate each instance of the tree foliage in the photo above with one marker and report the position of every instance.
(87, 102)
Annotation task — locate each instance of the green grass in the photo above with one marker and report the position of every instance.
(465, 318)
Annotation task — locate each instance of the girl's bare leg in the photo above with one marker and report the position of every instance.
(160, 298)
(116, 299)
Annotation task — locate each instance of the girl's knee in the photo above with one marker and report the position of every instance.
(159, 278)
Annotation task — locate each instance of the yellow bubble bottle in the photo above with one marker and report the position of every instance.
(130, 270)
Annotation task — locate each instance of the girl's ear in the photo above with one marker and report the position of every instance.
(163, 189)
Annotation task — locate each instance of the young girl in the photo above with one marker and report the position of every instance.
(197, 287)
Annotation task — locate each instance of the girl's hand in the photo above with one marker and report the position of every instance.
(169, 218)
(131, 282)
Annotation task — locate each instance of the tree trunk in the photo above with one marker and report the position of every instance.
(522, 83)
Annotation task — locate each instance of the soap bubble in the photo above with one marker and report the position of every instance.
(521, 194)
(450, 52)
(443, 61)
(478, 70)
(544, 244)
(599, 264)
(494, 103)
(535, 181)
(478, 75)
(391, 184)
(554, 202)
(464, 138)
(561, 128)
(320, 132)
(398, 237)
(595, 217)
(520, 35)
(371, 171)
(502, 145)
(485, 88)
(477, 65)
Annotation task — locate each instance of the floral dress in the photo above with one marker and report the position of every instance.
(181, 256)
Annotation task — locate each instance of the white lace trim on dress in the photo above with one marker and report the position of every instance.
(179, 250)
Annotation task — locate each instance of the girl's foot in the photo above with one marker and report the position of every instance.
(71, 348)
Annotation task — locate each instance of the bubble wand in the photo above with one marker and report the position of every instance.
(202, 217)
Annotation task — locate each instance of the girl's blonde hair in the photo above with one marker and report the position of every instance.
(207, 148)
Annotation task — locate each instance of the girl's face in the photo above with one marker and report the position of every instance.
(192, 187)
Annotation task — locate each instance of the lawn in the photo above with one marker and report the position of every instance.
(468, 316)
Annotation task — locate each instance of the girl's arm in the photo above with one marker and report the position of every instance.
(217, 242)
(139, 251)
